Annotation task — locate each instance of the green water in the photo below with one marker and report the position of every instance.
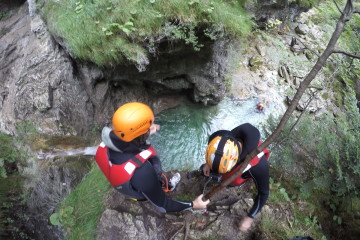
(182, 139)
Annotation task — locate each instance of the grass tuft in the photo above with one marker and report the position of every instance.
(86, 204)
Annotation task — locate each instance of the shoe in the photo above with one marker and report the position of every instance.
(174, 181)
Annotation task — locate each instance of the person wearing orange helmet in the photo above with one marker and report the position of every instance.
(131, 164)
(226, 151)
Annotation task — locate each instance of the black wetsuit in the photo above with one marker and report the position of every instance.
(249, 136)
(146, 178)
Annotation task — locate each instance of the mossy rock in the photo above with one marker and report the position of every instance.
(325, 96)
(309, 55)
(255, 62)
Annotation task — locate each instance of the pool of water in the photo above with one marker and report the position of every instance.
(182, 139)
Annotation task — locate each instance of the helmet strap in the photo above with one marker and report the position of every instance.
(218, 154)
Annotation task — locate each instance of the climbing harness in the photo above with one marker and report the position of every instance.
(165, 183)
(119, 175)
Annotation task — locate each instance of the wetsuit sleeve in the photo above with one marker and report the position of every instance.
(260, 175)
(146, 181)
(155, 162)
(249, 135)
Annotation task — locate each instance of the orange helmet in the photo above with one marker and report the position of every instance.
(222, 153)
(132, 120)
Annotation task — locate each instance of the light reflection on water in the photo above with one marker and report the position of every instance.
(182, 139)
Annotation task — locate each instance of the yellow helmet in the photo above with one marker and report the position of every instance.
(132, 120)
(222, 154)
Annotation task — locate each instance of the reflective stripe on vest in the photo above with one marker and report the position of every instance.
(122, 173)
(253, 162)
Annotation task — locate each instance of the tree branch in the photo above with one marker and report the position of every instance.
(297, 121)
(346, 53)
(337, 6)
(349, 8)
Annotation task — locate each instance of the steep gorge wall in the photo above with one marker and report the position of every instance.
(43, 84)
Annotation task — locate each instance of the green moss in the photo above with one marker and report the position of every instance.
(186, 197)
(325, 96)
(108, 32)
(338, 99)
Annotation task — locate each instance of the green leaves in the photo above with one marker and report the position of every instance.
(193, 2)
(54, 219)
(337, 219)
(113, 28)
(284, 193)
(79, 7)
(64, 217)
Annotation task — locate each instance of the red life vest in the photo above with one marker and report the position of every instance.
(122, 173)
(238, 181)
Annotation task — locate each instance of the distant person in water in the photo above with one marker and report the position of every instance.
(130, 163)
(225, 153)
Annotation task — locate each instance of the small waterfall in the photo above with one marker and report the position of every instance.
(86, 151)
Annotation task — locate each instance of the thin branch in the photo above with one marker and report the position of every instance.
(337, 6)
(297, 121)
(350, 11)
(358, 12)
(173, 236)
(346, 53)
(306, 47)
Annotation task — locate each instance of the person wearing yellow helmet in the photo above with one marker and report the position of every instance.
(131, 164)
(225, 153)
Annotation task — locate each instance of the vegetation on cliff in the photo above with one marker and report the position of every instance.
(108, 32)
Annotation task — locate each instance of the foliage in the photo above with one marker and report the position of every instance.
(300, 220)
(349, 42)
(81, 210)
(64, 216)
(4, 15)
(281, 193)
(307, 3)
(111, 31)
(8, 153)
(10, 150)
(272, 23)
(326, 16)
(330, 160)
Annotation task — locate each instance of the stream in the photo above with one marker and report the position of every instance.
(182, 139)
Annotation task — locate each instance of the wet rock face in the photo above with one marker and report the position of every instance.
(40, 80)
(179, 70)
(37, 80)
